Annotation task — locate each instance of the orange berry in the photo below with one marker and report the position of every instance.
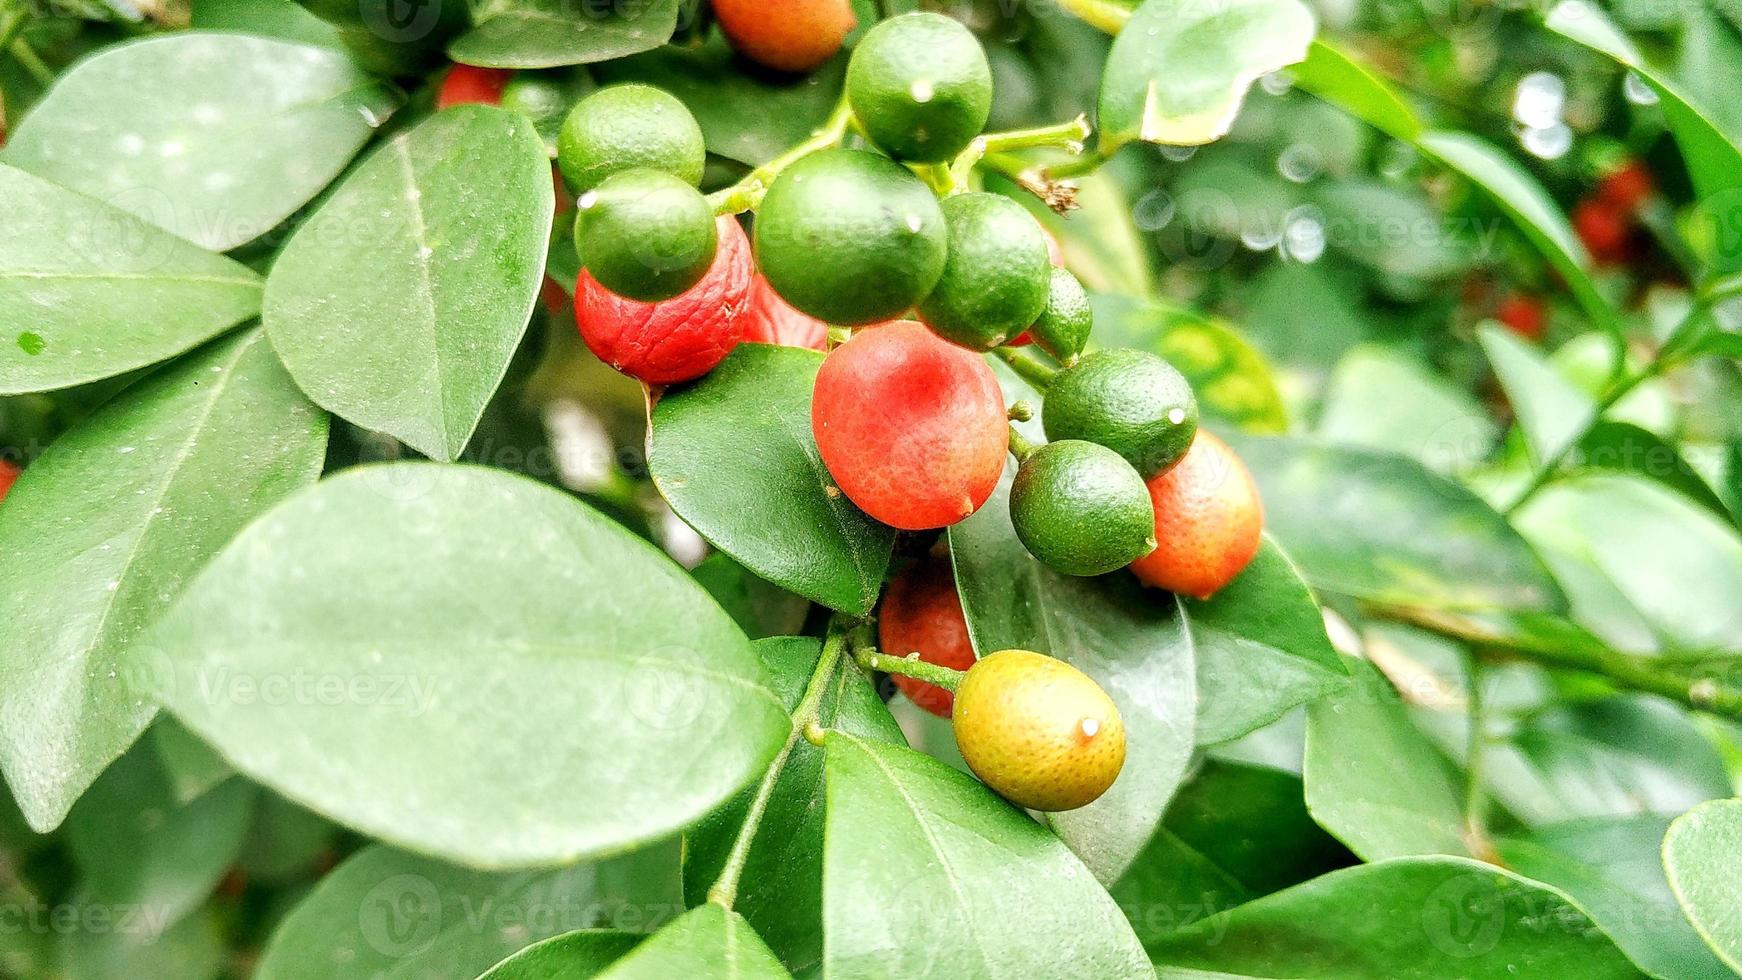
(1208, 521)
(798, 35)
(923, 614)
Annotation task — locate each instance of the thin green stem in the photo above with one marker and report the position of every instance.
(1031, 370)
(725, 889)
(1475, 793)
(1068, 135)
(746, 194)
(1059, 195)
(1546, 471)
(26, 56)
(909, 666)
(1020, 447)
(1102, 15)
(1085, 164)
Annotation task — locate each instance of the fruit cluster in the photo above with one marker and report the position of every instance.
(920, 275)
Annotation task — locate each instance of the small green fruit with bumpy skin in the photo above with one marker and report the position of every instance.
(645, 235)
(1130, 401)
(1063, 327)
(1038, 731)
(921, 86)
(1081, 508)
(629, 126)
(996, 277)
(850, 237)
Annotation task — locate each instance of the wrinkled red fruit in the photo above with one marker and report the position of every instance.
(468, 84)
(1606, 230)
(680, 338)
(923, 614)
(772, 320)
(8, 476)
(1628, 187)
(912, 427)
(1523, 314)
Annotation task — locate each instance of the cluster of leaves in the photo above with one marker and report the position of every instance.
(453, 720)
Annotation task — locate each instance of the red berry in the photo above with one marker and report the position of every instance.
(1523, 314)
(1209, 521)
(468, 84)
(8, 476)
(923, 614)
(797, 35)
(1605, 229)
(679, 338)
(1627, 187)
(772, 320)
(912, 427)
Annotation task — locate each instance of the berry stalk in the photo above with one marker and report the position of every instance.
(870, 658)
(746, 194)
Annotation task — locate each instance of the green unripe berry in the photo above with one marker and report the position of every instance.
(1130, 401)
(645, 235)
(995, 280)
(1081, 508)
(921, 86)
(1063, 327)
(629, 126)
(850, 237)
(538, 99)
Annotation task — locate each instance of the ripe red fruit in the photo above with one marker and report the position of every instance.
(1523, 314)
(912, 427)
(680, 338)
(1606, 230)
(799, 37)
(1209, 521)
(8, 476)
(923, 614)
(772, 320)
(466, 83)
(1627, 187)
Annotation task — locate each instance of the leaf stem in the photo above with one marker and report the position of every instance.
(1020, 447)
(725, 889)
(1475, 793)
(747, 194)
(1028, 368)
(869, 658)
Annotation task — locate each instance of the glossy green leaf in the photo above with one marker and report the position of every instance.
(1649, 549)
(399, 303)
(88, 291)
(1551, 411)
(1702, 856)
(216, 137)
(1337, 78)
(1405, 919)
(780, 886)
(1234, 832)
(1133, 641)
(1232, 381)
(1627, 448)
(1261, 649)
(102, 531)
(1381, 527)
(1373, 780)
(707, 941)
(1613, 870)
(645, 700)
(283, 19)
(759, 607)
(1178, 71)
(388, 913)
(748, 117)
(578, 955)
(138, 847)
(1381, 399)
(734, 456)
(927, 873)
(548, 33)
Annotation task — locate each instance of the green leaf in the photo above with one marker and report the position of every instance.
(216, 137)
(1405, 919)
(286, 20)
(192, 949)
(191, 765)
(137, 847)
(577, 955)
(1133, 641)
(388, 913)
(780, 889)
(1552, 412)
(760, 608)
(1340, 80)
(1178, 71)
(734, 456)
(645, 700)
(285, 843)
(1234, 832)
(1261, 649)
(1380, 527)
(1381, 399)
(1627, 448)
(927, 873)
(1635, 544)
(748, 117)
(101, 533)
(399, 303)
(1376, 782)
(1613, 870)
(1232, 380)
(88, 291)
(1702, 856)
(549, 33)
(708, 941)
